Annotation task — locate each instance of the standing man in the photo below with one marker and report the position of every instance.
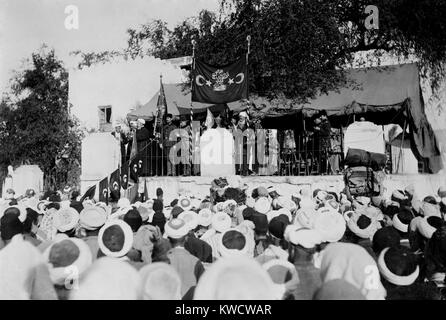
(122, 139)
(323, 131)
(185, 146)
(142, 141)
(168, 144)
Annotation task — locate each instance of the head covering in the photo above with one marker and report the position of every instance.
(66, 219)
(176, 211)
(362, 226)
(281, 271)
(123, 202)
(260, 223)
(423, 226)
(401, 220)
(184, 203)
(262, 192)
(160, 281)
(429, 208)
(92, 218)
(146, 211)
(190, 218)
(133, 219)
(385, 237)
(442, 192)
(330, 224)
(109, 279)
(18, 210)
(277, 226)
(10, 226)
(398, 265)
(338, 289)
(115, 238)
(205, 217)
(399, 196)
(176, 228)
(142, 121)
(262, 205)
(353, 264)
(236, 278)
(221, 222)
(66, 253)
(232, 242)
(307, 238)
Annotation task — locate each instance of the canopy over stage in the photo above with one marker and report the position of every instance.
(383, 95)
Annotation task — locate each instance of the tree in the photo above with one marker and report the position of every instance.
(37, 125)
(299, 48)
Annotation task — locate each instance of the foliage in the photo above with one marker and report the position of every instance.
(37, 125)
(298, 47)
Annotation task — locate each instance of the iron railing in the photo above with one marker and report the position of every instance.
(311, 155)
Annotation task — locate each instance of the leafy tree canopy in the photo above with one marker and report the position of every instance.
(298, 47)
(36, 123)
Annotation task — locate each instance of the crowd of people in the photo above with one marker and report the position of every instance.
(233, 244)
(284, 147)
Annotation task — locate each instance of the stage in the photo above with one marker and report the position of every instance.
(425, 184)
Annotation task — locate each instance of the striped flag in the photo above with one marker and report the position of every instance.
(161, 111)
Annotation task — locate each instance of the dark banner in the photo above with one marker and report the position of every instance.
(115, 181)
(218, 85)
(103, 190)
(89, 194)
(136, 168)
(125, 175)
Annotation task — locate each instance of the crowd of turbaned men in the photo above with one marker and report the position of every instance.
(233, 244)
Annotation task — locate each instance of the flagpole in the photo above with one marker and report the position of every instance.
(248, 40)
(191, 111)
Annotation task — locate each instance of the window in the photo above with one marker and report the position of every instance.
(105, 118)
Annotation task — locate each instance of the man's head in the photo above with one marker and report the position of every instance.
(169, 118)
(323, 115)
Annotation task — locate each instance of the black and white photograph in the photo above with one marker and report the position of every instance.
(251, 151)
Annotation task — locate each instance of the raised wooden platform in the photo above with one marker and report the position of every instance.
(425, 184)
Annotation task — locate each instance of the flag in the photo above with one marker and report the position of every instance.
(209, 119)
(103, 190)
(124, 175)
(115, 181)
(213, 84)
(161, 110)
(89, 194)
(135, 168)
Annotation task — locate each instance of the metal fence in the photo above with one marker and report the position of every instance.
(311, 155)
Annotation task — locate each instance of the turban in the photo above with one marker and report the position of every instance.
(331, 225)
(232, 242)
(176, 228)
(190, 218)
(64, 254)
(92, 218)
(221, 222)
(205, 217)
(398, 265)
(66, 219)
(115, 238)
(307, 238)
(262, 205)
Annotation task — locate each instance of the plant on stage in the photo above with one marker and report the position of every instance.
(38, 127)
